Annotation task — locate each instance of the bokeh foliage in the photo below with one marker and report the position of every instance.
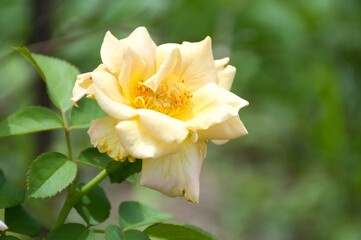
(297, 175)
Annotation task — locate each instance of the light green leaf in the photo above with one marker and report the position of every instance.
(20, 221)
(176, 232)
(58, 75)
(10, 195)
(71, 231)
(135, 214)
(94, 158)
(87, 111)
(113, 232)
(49, 174)
(94, 207)
(29, 120)
(119, 171)
(135, 235)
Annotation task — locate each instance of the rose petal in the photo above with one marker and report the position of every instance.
(225, 73)
(198, 64)
(139, 143)
(104, 136)
(163, 127)
(131, 72)
(115, 109)
(108, 84)
(229, 129)
(111, 52)
(176, 174)
(171, 66)
(82, 87)
(143, 45)
(213, 105)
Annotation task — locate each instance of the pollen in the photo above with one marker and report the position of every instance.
(169, 98)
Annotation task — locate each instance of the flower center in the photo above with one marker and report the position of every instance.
(169, 98)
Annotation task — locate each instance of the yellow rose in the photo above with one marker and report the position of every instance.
(164, 103)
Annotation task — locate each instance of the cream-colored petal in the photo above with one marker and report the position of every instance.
(108, 84)
(198, 64)
(143, 45)
(213, 105)
(114, 108)
(139, 143)
(229, 129)
(225, 73)
(111, 52)
(170, 66)
(163, 52)
(131, 72)
(82, 87)
(104, 136)
(176, 174)
(163, 127)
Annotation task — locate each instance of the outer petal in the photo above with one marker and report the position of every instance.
(176, 174)
(214, 105)
(229, 129)
(111, 52)
(140, 143)
(103, 135)
(225, 73)
(198, 64)
(115, 109)
(143, 45)
(108, 84)
(83, 86)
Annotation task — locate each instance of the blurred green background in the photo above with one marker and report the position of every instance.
(297, 175)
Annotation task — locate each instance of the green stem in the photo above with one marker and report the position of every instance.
(67, 136)
(72, 200)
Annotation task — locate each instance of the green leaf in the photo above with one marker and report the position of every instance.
(176, 232)
(119, 171)
(94, 158)
(135, 235)
(58, 75)
(29, 120)
(135, 214)
(113, 232)
(10, 195)
(49, 174)
(94, 207)
(71, 231)
(8, 237)
(20, 221)
(87, 111)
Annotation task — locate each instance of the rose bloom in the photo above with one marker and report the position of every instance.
(163, 103)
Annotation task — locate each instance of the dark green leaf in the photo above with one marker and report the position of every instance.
(3, 237)
(176, 232)
(87, 110)
(94, 207)
(135, 235)
(135, 214)
(119, 171)
(92, 157)
(71, 231)
(49, 174)
(29, 120)
(58, 75)
(113, 232)
(20, 221)
(10, 195)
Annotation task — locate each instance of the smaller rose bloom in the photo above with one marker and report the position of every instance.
(163, 103)
(3, 226)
